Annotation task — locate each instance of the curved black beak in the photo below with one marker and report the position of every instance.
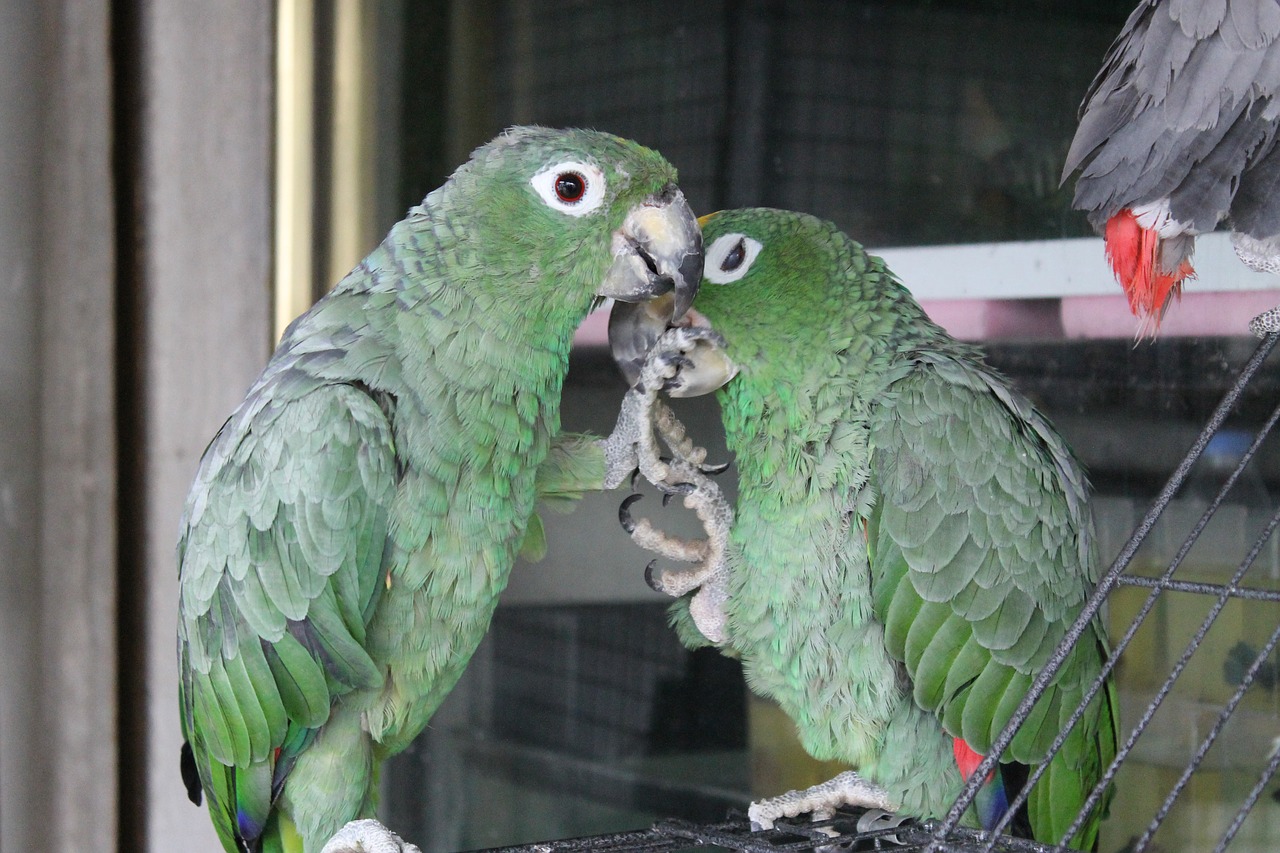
(657, 251)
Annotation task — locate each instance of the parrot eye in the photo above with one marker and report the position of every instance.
(570, 187)
(736, 256)
(729, 258)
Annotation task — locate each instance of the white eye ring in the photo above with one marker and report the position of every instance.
(729, 258)
(549, 186)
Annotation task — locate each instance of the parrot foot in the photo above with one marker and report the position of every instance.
(367, 836)
(1257, 255)
(709, 576)
(632, 445)
(648, 537)
(1260, 256)
(682, 447)
(1265, 323)
(847, 789)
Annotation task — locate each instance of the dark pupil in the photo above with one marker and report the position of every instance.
(733, 260)
(570, 187)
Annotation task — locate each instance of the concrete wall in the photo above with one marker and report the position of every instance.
(135, 257)
(22, 784)
(58, 744)
(206, 132)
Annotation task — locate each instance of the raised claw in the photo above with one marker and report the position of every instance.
(670, 489)
(624, 512)
(714, 470)
(683, 473)
(650, 578)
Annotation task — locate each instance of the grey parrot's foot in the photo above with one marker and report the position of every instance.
(1260, 256)
(1257, 255)
(847, 789)
(367, 836)
(1266, 323)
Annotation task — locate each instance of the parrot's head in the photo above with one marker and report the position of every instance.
(770, 279)
(572, 216)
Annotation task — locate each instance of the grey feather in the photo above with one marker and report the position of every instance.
(1199, 18)
(1256, 211)
(1180, 110)
(1250, 25)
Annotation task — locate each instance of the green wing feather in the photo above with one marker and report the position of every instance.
(280, 561)
(574, 466)
(982, 555)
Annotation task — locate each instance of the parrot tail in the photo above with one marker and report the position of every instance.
(1150, 267)
(994, 796)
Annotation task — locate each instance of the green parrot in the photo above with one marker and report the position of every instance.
(911, 538)
(353, 522)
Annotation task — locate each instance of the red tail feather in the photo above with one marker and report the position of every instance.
(966, 759)
(1134, 253)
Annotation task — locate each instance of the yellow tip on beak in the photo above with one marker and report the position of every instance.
(703, 220)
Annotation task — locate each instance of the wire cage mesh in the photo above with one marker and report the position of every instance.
(1247, 666)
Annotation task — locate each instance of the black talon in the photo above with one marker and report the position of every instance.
(676, 488)
(714, 470)
(635, 475)
(649, 578)
(624, 513)
(666, 499)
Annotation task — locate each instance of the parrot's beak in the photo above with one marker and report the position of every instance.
(657, 251)
(635, 328)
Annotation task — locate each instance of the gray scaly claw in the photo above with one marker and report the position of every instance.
(367, 836)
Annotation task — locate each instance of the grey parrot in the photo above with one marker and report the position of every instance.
(1177, 134)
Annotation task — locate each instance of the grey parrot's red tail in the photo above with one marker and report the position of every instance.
(1149, 267)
